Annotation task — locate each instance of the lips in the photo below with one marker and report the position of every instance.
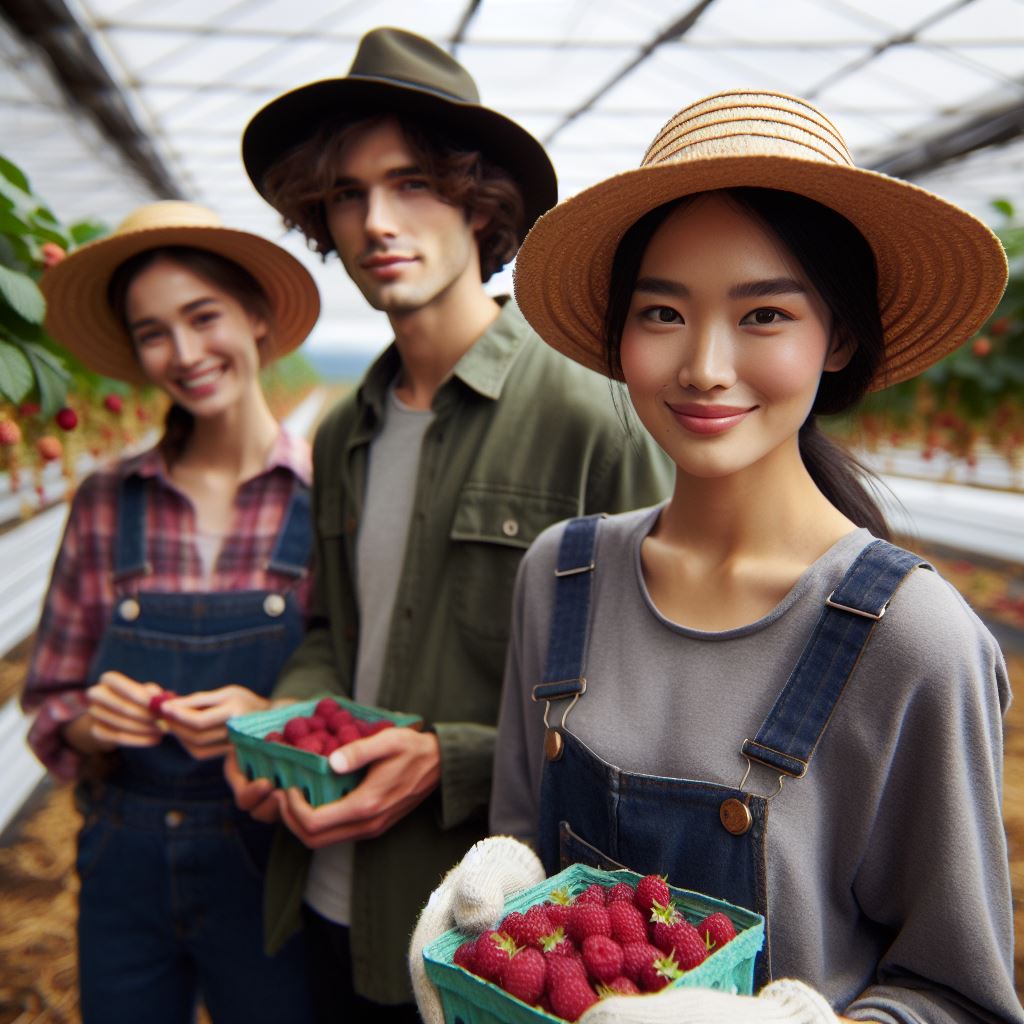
(385, 265)
(709, 419)
(202, 378)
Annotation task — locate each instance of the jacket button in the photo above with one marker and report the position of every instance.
(172, 819)
(129, 609)
(510, 527)
(273, 605)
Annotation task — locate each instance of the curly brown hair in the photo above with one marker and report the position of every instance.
(298, 182)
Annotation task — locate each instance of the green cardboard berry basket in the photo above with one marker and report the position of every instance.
(468, 999)
(288, 766)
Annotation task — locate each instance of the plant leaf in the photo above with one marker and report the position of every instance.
(16, 377)
(22, 294)
(14, 174)
(51, 379)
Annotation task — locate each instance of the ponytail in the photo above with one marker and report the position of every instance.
(178, 426)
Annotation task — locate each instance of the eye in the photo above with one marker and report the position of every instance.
(764, 317)
(343, 195)
(206, 317)
(148, 337)
(415, 185)
(661, 315)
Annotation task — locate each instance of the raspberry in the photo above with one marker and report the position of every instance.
(558, 914)
(588, 919)
(347, 734)
(535, 926)
(372, 728)
(338, 719)
(511, 925)
(325, 708)
(602, 957)
(296, 728)
(67, 419)
(620, 891)
(317, 723)
(651, 889)
(620, 986)
(657, 973)
(556, 943)
(157, 701)
(312, 741)
(49, 448)
(592, 894)
(465, 955)
(663, 918)
(570, 997)
(525, 975)
(627, 922)
(274, 737)
(560, 967)
(635, 956)
(716, 930)
(10, 433)
(113, 403)
(51, 253)
(492, 953)
(684, 942)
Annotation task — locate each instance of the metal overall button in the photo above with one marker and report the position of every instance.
(510, 527)
(735, 816)
(273, 605)
(129, 609)
(554, 745)
(172, 819)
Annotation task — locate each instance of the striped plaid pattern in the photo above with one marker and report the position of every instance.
(82, 593)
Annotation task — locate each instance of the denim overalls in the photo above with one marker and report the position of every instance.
(171, 872)
(702, 835)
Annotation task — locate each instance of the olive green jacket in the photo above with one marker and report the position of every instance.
(522, 438)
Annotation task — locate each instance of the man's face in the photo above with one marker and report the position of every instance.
(403, 246)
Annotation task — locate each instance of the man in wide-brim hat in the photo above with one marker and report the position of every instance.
(465, 439)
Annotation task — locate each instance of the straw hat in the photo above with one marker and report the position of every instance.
(397, 72)
(941, 271)
(79, 316)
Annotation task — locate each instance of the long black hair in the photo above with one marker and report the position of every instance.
(220, 271)
(840, 265)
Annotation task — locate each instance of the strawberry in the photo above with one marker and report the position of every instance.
(620, 891)
(536, 925)
(571, 996)
(295, 729)
(493, 951)
(636, 956)
(627, 922)
(657, 973)
(525, 975)
(588, 919)
(465, 955)
(650, 889)
(684, 942)
(592, 894)
(716, 930)
(602, 957)
(620, 986)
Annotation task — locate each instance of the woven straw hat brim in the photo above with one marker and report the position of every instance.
(291, 119)
(80, 318)
(941, 272)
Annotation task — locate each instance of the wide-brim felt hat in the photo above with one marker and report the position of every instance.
(397, 72)
(941, 271)
(79, 316)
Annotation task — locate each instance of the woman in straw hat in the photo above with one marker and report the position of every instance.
(755, 643)
(177, 595)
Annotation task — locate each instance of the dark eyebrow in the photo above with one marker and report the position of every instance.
(397, 172)
(662, 286)
(761, 289)
(190, 307)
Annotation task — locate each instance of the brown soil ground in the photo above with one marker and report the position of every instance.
(38, 887)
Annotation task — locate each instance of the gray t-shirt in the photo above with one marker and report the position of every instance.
(887, 864)
(380, 551)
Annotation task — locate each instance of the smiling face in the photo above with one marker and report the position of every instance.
(193, 339)
(724, 342)
(403, 246)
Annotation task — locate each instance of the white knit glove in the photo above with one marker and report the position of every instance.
(471, 897)
(782, 1002)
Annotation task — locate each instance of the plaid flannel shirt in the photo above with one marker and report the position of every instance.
(82, 593)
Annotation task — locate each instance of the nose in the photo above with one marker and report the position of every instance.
(380, 219)
(708, 360)
(187, 346)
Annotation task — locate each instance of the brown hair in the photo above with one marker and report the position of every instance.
(298, 182)
(218, 270)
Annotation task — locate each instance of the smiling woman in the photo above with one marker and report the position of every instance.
(178, 593)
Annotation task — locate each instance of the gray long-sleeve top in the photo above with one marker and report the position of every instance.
(888, 879)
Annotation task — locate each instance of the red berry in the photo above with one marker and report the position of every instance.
(52, 254)
(10, 433)
(67, 419)
(981, 347)
(557, 943)
(657, 973)
(510, 925)
(620, 892)
(602, 957)
(317, 723)
(338, 720)
(716, 930)
(651, 889)
(274, 737)
(592, 894)
(587, 919)
(49, 448)
(113, 403)
(628, 924)
(535, 926)
(29, 409)
(347, 734)
(620, 986)
(684, 942)
(571, 996)
(558, 914)
(157, 701)
(560, 967)
(493, 950)
(296, 728)
(636, 956)
(465, 955)
(525, 975)
(325, 708)
(311, 742)
(372, 728)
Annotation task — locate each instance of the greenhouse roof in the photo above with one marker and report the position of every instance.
(109, 103)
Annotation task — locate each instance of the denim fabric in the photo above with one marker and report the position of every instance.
(596, 813)
(171, 872)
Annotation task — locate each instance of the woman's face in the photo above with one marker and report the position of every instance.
(725, 340)
(193, 340)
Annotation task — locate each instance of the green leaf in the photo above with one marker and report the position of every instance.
(14, 252)
(16, 377)
(87, 231)
(22, 294)
(22, 202)
(51, 379)
(14, 174)
(1003, 206)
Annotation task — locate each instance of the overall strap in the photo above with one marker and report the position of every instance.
(295, 539)
(567, 644)
(801, 713)
(130, 539)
